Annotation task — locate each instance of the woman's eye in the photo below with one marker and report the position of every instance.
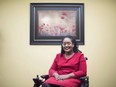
(66, 43)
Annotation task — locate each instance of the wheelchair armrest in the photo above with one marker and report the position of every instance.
(45, 77)
(84, 81)
(85, 78)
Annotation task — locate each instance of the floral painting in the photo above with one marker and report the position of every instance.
(50, 22)
(57, 22)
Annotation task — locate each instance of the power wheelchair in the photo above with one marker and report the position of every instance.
(38, 82)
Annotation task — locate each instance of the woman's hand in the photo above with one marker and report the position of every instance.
(63, 77)
(56, 75)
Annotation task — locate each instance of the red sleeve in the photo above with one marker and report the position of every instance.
(82, 67)
(54, 67)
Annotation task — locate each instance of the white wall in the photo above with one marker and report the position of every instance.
(20, 61)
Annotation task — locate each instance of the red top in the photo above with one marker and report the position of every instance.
(76, 64)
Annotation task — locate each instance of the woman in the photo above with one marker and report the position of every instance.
(67, 67)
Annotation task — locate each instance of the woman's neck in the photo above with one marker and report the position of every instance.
(69, 53)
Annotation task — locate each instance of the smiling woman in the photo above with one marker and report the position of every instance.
(67, 67)
(68, 47)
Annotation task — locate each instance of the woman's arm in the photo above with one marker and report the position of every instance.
(54, 67)
(82, 68)
(77, 74)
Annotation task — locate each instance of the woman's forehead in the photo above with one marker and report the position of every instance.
(67, 39)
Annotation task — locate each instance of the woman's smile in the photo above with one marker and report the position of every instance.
(67, 45)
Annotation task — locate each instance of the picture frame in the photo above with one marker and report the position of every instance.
(50, 22)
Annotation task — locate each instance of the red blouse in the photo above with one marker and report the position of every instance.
(76, 65)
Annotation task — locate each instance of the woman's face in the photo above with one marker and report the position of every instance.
(67, 45)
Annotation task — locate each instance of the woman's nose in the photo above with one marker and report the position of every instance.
(66, 45)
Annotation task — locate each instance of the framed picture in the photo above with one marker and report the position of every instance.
(49, 22)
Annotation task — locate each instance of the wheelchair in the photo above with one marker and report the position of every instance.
(38, 82)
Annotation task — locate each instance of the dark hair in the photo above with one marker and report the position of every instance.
(75, 48)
